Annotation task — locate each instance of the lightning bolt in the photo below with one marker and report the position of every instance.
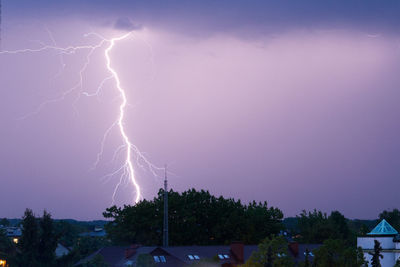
(128, 160)
(127, 169)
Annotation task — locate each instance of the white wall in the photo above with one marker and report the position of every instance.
(368, 242)
(389, 258)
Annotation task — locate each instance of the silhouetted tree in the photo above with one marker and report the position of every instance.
(315, 227)
(361, 260)
(195, 217)
(4, 222)
(271, 252)
(392, 217)
(28, 244)
(376, 255)
(335, 252)
(307, 259)
(47, 241)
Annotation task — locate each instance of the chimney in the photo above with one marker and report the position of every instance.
(294, 248)
(237, 250)
(130, 251)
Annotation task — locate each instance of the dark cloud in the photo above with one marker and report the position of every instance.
(233, 16)
(126, 24)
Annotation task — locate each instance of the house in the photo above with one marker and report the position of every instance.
(61, 250)
(14, 233)
(389, 239)
(97, 232)
(226, 256)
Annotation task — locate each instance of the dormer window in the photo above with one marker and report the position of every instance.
(223, 256)
(193, 257)
(159, 259)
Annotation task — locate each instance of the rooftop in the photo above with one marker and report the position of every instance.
(383, 228)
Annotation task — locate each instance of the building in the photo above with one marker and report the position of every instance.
(225, 256)
(14, 233)
(61, 250)
(389, 239)
(97, 232)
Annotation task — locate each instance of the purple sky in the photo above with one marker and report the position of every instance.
(295, 104)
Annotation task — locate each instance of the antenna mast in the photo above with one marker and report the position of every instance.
(165, 232)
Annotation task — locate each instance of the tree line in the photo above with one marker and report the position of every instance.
(195, 217)
(40, 237)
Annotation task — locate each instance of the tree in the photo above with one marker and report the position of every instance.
(38, 241)
(315, 227)
(334, 252)
(272, 252)
(29, 241)
(361, 260)
(392, 217)
(4, 222)
(7, 247)
(47, 241)
(306, 262)
(145, 260)
(195, 217)
(376, 255)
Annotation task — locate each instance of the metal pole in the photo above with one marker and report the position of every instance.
(165, 236)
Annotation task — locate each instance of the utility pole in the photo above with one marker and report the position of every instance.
(165, 232)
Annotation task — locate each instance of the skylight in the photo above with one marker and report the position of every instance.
(193, 257)
(223, 256)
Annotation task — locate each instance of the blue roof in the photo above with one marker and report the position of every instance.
(383, 228)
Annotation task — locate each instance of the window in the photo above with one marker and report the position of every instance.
(190, 257)
(309, 254)
(162, 258)
(156, 258)
(223, 256)
(196, 257)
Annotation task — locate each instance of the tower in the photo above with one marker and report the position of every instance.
(165, 230)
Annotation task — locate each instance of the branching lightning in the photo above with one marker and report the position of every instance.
(128, 160)
(126, 170)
